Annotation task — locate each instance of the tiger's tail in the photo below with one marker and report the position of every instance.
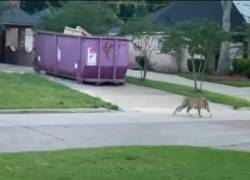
(179, 109)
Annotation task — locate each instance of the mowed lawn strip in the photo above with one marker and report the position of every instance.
(30, 91)
(235, 83)
(189, 91)
(123, 163)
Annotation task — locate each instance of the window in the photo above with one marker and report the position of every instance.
(28, 39)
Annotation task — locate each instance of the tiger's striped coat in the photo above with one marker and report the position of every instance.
(194, 103)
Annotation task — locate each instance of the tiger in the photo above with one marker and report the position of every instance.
(195, 103)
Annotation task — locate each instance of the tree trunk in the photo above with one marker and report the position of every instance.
(211, 63)
(248, 48)
(224, 62)
(145, 68)
(145, 73)
(142, 73)
(178, 57)
(202, 73)
(184, 59)
(194, 73)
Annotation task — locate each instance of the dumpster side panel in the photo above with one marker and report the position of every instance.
(90, 55)
(46, 51)
(68, 53)
(95, 59)
(107, 58)
(122, 54)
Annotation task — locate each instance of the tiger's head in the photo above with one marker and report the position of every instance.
(204, 102)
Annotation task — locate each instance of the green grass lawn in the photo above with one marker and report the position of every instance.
(186, 75)
(189, 91)
(30, 91)
(127, 163)
(235, 83)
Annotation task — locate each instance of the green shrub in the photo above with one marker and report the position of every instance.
(241, 66)
(140, 61)
(197, 63)
(247, 73)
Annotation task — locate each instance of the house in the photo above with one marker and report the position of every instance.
(16, 36)
(37, 16)
(159, 62)
(181, 11)
(244, 9)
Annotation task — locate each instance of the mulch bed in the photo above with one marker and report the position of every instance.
(233, 77)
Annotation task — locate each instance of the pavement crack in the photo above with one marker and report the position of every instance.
(48, 134)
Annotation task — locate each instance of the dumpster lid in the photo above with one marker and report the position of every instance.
(85, 37)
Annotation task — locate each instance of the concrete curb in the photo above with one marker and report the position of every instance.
(42, 111)
(244, 109)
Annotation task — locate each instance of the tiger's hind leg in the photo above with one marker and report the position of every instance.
(208, 110)
(188, 109)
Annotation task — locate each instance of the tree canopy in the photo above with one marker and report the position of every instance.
(4, 5)
(200, 38)
(143, 31)
(124, 9)
(96, 18)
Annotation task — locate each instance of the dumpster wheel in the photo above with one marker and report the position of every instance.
(36, 68)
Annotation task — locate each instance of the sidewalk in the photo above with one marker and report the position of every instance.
(215, 87)
(10, 68)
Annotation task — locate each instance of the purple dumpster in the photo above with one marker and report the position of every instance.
(86, 59)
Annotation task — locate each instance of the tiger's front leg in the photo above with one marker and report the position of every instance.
(179, 108)
(208, 110)
(199, 112)
(188, 109)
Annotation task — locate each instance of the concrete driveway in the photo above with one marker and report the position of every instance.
(134, 98)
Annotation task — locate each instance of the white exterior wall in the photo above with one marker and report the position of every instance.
(160, 62)
(12, 39)
(235, 52)
(29, 38)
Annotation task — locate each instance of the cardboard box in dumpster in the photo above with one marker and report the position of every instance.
(77, 31)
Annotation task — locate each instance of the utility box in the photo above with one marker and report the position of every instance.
(86, 59)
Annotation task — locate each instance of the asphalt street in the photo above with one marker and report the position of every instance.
(39, 132)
